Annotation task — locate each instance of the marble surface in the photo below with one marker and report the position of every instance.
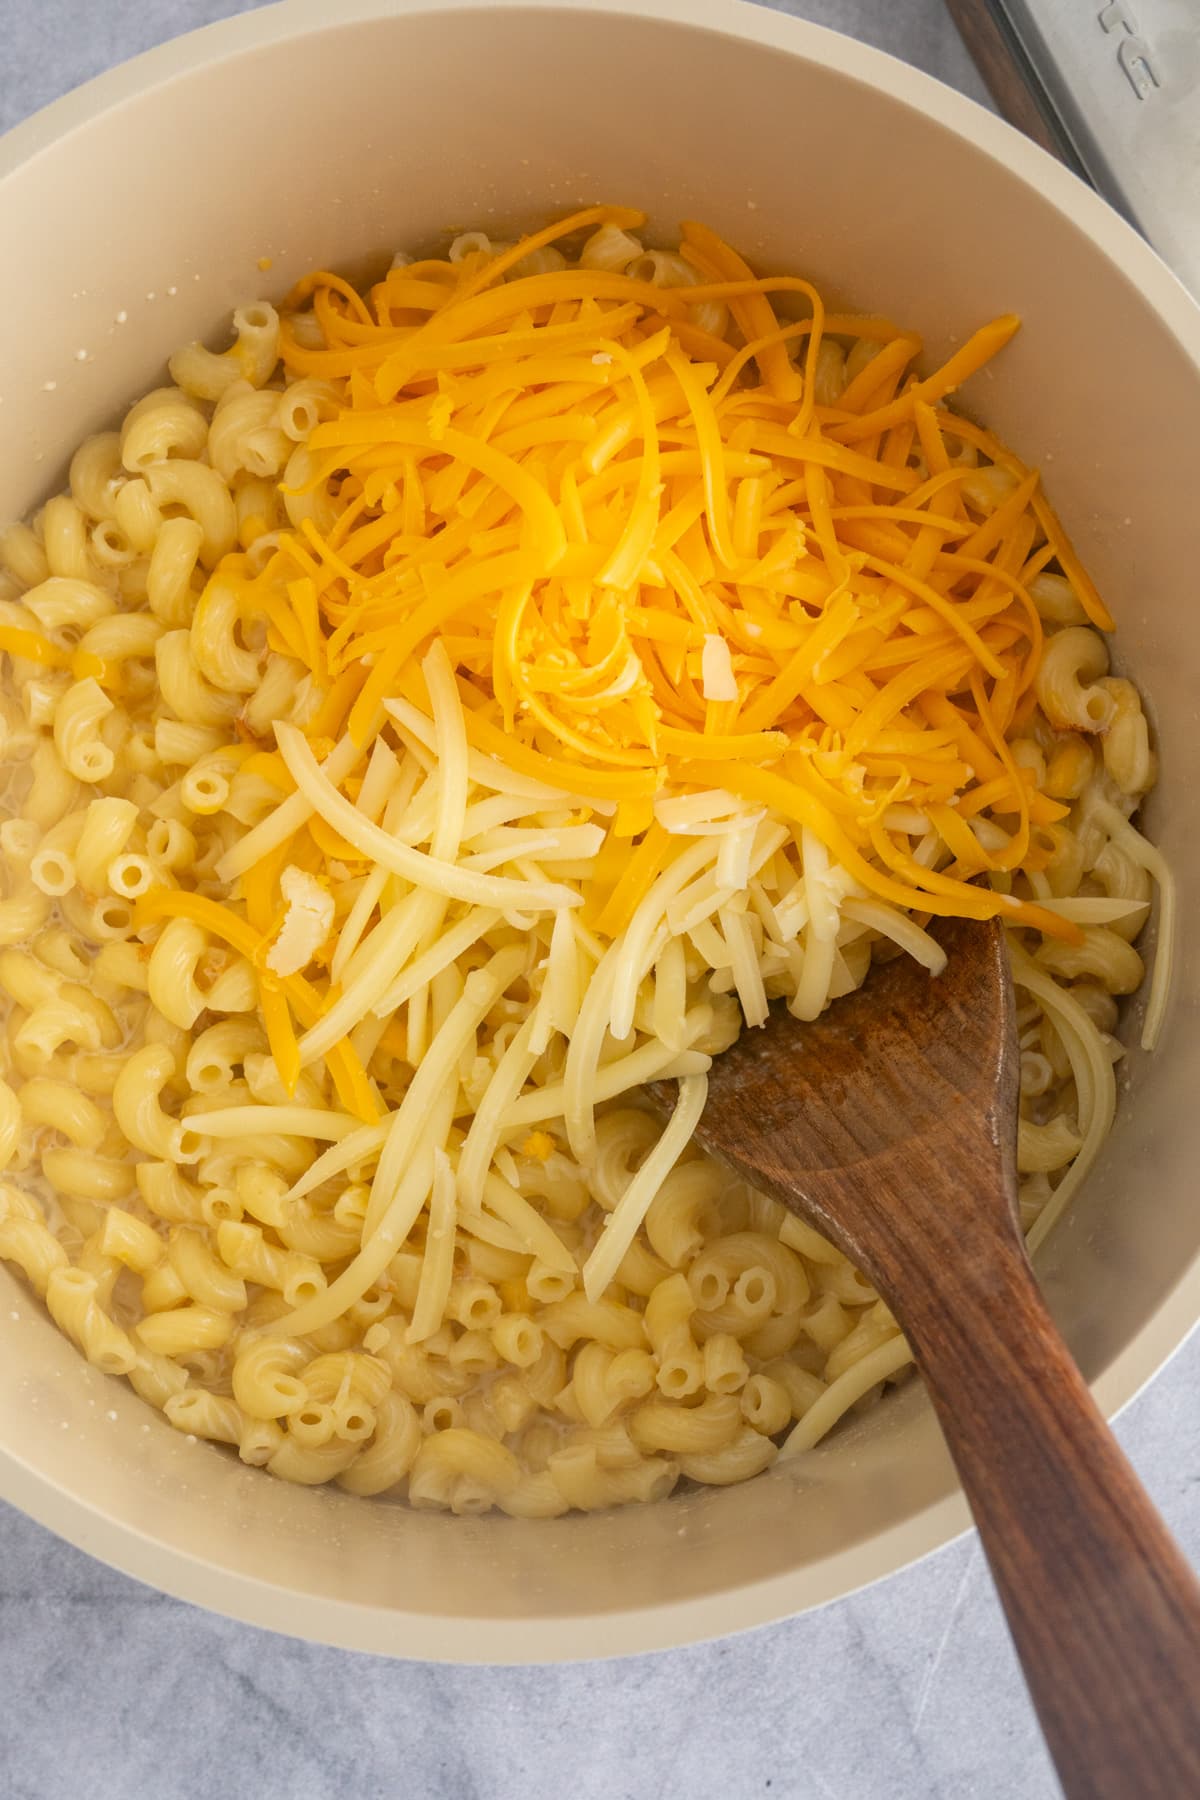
(907, 1691)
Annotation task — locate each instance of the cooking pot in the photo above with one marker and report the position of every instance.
(138, 211)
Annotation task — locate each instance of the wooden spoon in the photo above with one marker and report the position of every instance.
(890, 1125)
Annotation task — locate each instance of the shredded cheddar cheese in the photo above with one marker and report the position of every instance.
(668, 581)
(652, 565)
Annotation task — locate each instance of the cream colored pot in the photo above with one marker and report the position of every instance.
(133, 216)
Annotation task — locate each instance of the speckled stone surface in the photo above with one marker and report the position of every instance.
(908, 1691)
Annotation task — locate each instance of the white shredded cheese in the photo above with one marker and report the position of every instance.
(716, 669)
(306, 924)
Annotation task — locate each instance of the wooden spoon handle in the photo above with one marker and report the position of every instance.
(1103, 1607)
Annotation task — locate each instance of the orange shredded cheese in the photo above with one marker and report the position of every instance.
(657, 559)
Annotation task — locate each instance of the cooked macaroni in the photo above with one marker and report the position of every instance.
(448, 709)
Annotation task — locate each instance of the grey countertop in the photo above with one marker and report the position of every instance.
(907, 1691)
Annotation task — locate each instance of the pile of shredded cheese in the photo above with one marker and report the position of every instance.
(669, 581)
(661, 568)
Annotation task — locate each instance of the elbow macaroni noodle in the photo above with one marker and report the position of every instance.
(318, 1083)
